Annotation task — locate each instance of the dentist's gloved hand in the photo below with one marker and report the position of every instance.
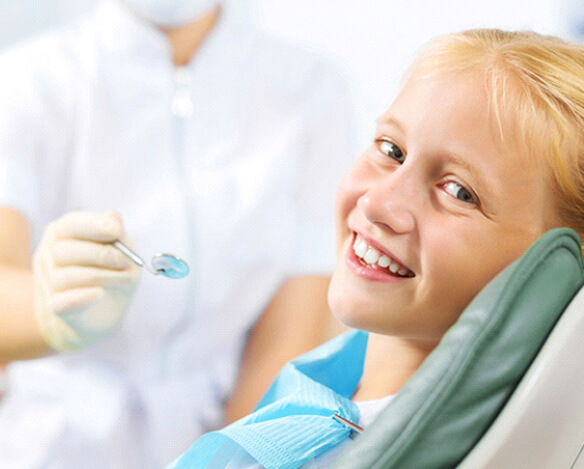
(82, 284)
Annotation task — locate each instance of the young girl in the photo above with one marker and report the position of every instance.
(477, 157)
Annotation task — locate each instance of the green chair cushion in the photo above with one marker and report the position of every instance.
(450, 402)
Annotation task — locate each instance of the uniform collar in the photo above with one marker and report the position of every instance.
(125, 34)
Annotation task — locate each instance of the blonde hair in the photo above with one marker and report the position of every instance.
(536, 90)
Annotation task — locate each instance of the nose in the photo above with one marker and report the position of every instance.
(391, 201)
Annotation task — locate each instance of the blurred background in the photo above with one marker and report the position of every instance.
(372, 41)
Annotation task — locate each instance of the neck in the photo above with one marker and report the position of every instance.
(390, 361)
(186, 40)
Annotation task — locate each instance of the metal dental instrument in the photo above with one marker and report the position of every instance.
(347, 423)
(162, 264)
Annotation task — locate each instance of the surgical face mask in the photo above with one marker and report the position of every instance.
(170, 13)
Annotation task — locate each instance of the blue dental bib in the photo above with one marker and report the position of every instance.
(293, 423)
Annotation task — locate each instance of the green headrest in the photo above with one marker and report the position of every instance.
(449, 403)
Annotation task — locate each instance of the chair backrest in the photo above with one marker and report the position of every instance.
(542, 425)
(449, 404)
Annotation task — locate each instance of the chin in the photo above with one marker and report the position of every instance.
(350, 311)
(337, 301)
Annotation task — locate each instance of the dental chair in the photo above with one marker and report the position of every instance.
(505, 387)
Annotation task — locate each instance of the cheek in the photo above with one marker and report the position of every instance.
(472, 262)
(351, 188)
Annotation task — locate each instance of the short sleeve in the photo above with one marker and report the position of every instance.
(18, 130)
(37, 90)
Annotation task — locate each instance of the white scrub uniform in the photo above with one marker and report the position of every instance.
(232, 164)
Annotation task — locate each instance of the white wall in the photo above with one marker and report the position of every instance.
(374, 40)
(371, 40)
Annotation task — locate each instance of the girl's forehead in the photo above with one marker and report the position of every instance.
(488, 92)
(444, 96)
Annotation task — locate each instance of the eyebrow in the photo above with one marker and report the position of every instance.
(385, 119)
(476, 174)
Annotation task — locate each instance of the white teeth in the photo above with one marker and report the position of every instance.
(384, 261)
(372, 256)
(361, 249)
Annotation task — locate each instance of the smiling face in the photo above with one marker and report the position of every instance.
(432, 211)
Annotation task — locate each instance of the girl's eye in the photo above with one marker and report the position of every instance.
(459, 192)
(392, 150)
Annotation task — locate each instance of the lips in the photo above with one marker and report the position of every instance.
(374, 258)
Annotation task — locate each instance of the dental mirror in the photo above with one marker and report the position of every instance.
(162, 264)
